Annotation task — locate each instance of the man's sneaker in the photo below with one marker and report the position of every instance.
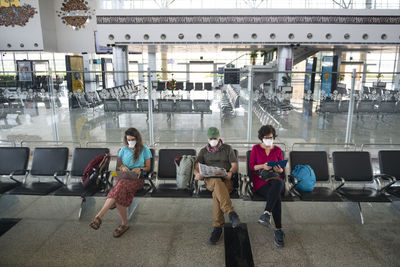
(278, 238)
(215, 235)
(234, 218)
(265, 220)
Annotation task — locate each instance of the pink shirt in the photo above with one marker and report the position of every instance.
(259, 156)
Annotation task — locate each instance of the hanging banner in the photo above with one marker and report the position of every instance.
(326, 81)
(309, 79)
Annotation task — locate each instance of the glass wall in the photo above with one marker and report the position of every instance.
(45, 107)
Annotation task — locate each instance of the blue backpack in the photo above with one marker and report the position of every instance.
(305, 177)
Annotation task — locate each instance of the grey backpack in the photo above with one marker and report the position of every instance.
(184, 171)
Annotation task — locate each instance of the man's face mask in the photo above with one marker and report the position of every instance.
(213, 142)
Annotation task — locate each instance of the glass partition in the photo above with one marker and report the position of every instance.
(36, 106)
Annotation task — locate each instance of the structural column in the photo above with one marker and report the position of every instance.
(152, 66)
(285, 62)
(164, 66)
(120, 63)
(187, 72)
(215, 69)
(88, 76)
(396, 77)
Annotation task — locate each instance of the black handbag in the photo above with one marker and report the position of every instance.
(268, 174)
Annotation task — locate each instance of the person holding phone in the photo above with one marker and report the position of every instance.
(134, 156)
(271, 189)
(218, 154)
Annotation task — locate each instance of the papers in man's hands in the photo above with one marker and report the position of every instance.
(210, 171)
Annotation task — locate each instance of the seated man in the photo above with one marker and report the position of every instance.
(218, 154)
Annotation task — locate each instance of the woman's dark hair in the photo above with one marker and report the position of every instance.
(139, 144)
(266, 130)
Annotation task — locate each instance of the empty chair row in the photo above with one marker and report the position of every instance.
(363, 106)
(161, 86)
(164, 105)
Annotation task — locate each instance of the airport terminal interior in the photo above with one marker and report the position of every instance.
(75, 75)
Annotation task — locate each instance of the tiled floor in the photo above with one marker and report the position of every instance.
(173, 232)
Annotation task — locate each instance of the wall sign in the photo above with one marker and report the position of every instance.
(75, 13)
(12, 13)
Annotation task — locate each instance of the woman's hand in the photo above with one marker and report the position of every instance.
(137, 170)
(228, 176)
(123, 168)
(278, 169)
(266, 167)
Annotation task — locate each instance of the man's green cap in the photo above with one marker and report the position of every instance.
(212, 132)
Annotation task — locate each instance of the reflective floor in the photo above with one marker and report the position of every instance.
(174, 232)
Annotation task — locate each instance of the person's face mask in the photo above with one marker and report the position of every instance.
(268, 142)
(213, 142)
(131, 143)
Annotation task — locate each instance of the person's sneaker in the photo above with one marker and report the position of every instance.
(215, 235)
(265, 220)
(234, 218)
(279, 235)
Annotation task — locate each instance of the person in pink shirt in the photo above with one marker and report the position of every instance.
(270, 189)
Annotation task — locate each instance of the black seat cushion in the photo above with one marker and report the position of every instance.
(389, 162)
(317, 160)
(352, 166)
(13, 160)
(82, 157)
(36, 188)
(49, 160)
(363, 194)
(166, 165)
(321, 194)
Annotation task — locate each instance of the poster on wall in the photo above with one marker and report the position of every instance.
(326, 81)
(75, 81)
(24, 68)
(74, 68)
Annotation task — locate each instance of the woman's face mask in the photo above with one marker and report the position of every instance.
(268, 142)
(213, 142)
(131, 143)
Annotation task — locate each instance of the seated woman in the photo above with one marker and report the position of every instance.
(271, 188)
(132, 157)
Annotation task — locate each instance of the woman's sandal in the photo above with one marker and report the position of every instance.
(95, 224)
(120, 230)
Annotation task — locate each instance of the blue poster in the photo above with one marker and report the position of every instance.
(307, 78)
(326, 81)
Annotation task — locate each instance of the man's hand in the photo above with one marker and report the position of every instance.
(228, 176)
(124, 168)
(278, 169)
(199, 177)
